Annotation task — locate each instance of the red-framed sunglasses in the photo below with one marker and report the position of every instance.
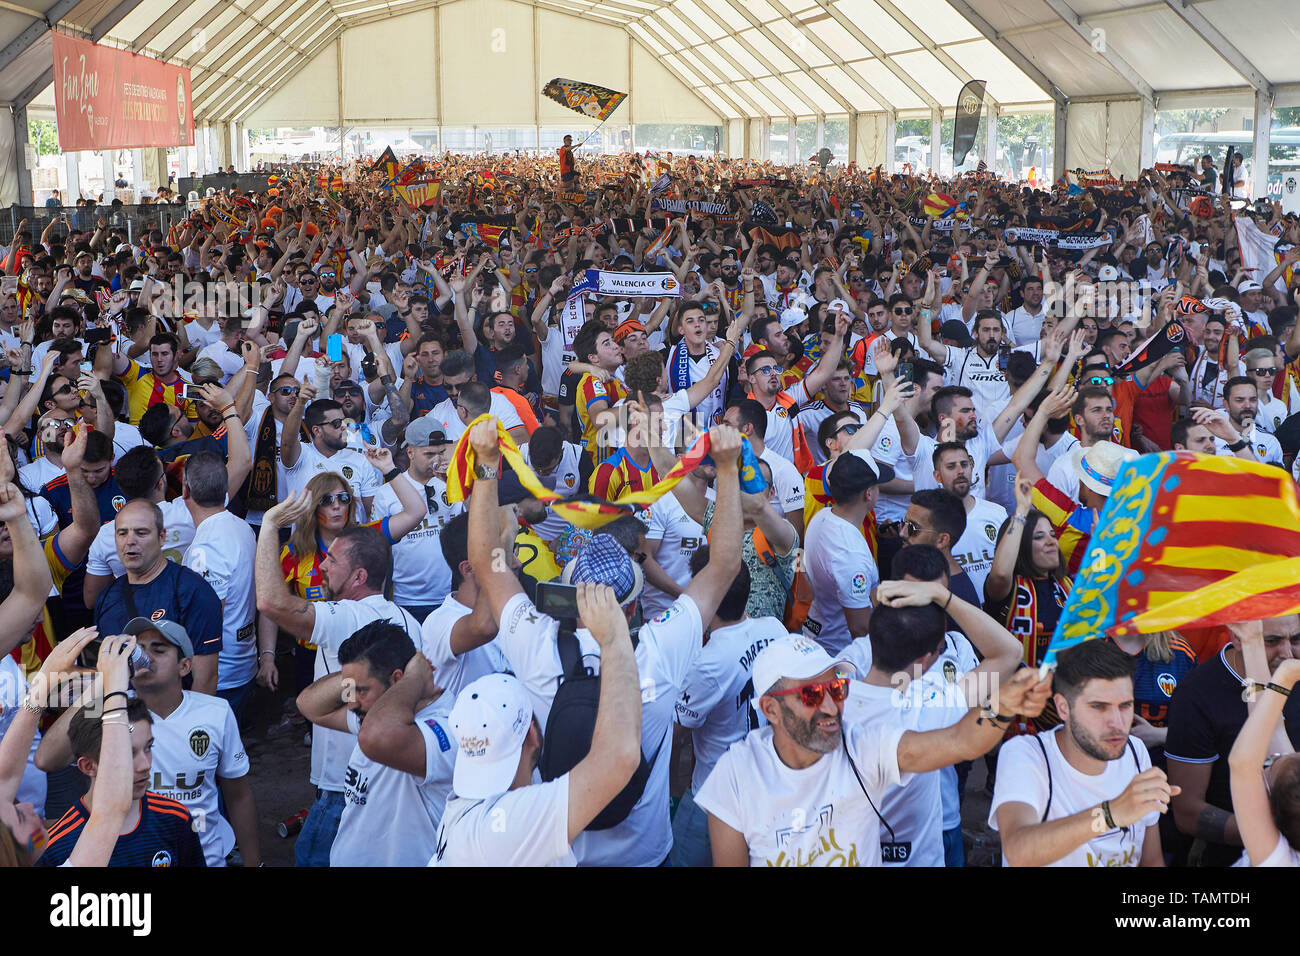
(812, 695)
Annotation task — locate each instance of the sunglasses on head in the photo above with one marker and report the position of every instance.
(342, 497)
(812, 695)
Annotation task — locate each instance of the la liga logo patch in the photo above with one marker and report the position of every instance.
(859, 581)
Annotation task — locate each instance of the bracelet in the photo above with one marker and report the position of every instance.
(115, 722)
(113, 710)
(1238, 445)
(389, 476)
(234, 415)
(31, 706)
(1256, 685)
(947, 602)
(116, 693)
(1018, 519)
(260, 653)
(227, 408)
(1105, 812)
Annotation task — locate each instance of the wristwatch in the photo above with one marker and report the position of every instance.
(1238, 445)
(486, 473)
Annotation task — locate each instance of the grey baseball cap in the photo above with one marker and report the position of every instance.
(425, 431)
(170, 630)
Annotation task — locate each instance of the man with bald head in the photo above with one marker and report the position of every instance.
(158, 589)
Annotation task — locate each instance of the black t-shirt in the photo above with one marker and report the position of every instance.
(1205, 715)
(164, 837)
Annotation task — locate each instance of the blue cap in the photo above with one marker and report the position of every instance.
(605, 561)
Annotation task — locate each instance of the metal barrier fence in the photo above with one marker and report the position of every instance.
(135, 219)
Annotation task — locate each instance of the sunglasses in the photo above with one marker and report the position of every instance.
(911, 529)
(906, 311)
(308, 279)
(327, 275)
(59, 422)
(767, 370)
(1269, 372)
(64, 390)
(1100, 380)
(348, 390)
(812, 695)
(850, 427)
(530, 272)
(336, 423)
(288, 390)
(342, 497)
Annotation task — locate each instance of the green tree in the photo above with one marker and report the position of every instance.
(44, 136)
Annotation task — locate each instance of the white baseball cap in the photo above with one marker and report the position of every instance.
(792, 317)
(1249, 285)
(1107, 273)
(793, 657)
(490, 721)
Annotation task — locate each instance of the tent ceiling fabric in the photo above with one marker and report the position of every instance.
(746, 58)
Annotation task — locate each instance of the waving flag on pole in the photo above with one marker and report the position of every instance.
(1186, 540)
(595, 102)
(387, 166)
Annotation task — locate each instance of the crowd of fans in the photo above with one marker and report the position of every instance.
(404, 462)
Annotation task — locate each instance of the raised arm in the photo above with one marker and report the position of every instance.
(1002, 573)
(32, 579)
(274, 599)
(494, 575)
(726, 539)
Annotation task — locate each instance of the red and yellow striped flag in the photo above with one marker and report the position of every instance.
(1187, 540)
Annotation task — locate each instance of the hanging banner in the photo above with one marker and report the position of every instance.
(970, 106)
(110, 99)
(700, 207)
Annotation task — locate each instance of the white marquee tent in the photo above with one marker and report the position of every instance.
(1103, 66)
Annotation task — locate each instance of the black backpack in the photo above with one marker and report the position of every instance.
(570, 726)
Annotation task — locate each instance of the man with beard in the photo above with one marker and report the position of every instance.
(1241, 402)
(85, 279)
(977, 369)
(355, 571)
(973, 549)
(427, 390)
(803, 791)
(1025, 323)
(1094, 416)
(327, 451)
(1083, 793)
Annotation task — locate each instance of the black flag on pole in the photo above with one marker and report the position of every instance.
(970, 104)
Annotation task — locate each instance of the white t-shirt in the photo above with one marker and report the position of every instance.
(666, 648)
(811, 418)
(178, 532)
(420, 573)
(974, 550)
(1062, 475)
(1271, 415)
(224, 552)
(564, 481)
(364, 477)
(1022, 778)
(336, 621)
(788, 481)
(981, 448)
(1264, 445)
(888, 450)
(38, 473)
(452, 672)
(1046, 458)
(1283, 854)
(916, 811)
(390, 817)
(445, 414)
(125, 437)
(679, 536)
(780, 426)
(220, 353)
(982, 376)
(715, 701)
(842, 574)
(528, 826)
(1023, 326)
(13, 685)
(816, 816)
(193, 748)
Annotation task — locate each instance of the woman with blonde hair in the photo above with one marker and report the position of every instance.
(335, 509)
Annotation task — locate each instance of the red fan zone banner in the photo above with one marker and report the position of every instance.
(111, 99)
